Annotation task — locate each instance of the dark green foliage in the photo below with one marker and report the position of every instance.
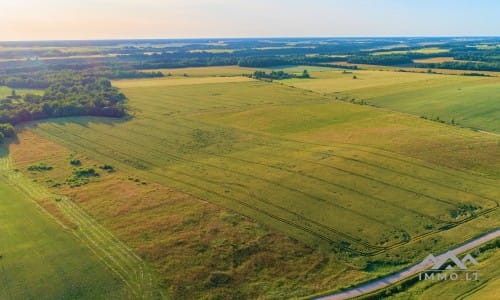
(81, 177)
(463, 65)
(69, 94)
(75, 162)
(278, 75)
(107, 167)
(40, 167)
(387, 60)
(2, 137)
(7, 130)
(85, 172)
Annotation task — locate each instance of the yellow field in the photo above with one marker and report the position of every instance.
(434, 60)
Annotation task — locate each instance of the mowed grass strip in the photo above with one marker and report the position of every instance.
(40, 260)
(231, 165)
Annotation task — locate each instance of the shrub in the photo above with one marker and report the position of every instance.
(107, 167)
(7, 130)
(39, 168)
(75, 162)
(85, 172)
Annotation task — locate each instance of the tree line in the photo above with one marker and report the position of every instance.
(68, 94)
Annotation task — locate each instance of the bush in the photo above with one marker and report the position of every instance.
(75, 162)
(88, 172)
(39, 168)
(107, 167)
(7, 130)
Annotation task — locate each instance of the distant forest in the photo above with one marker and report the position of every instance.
(74, 76)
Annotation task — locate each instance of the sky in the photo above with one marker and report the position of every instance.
(128, 19)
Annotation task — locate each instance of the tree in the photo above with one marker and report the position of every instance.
(2, 137)
(7, 130)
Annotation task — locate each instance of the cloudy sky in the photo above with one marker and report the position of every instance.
(119, 19)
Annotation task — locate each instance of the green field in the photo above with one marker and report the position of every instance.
(377, 188)
(468, 101)
(40, 260)
(271, 164)
(6, 91)
(431, 50)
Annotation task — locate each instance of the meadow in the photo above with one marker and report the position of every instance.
(35, 252)
(5, 91)
(465, 100)
(361, 191)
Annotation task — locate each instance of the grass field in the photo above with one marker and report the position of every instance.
(6, 91)
(207, 71)
(468, 101)
(39, 260)
(434, 60)
(431, 50)
(189, 242)
(372, 188)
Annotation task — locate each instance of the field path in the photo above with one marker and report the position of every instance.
(384, 282)
(110, 250)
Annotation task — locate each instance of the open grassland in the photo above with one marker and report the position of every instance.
(376, 189)
(226, 71)
(465, 100)
(6, 91)
(275, 164)
(431, 50)
(197, 249)
(38, 259)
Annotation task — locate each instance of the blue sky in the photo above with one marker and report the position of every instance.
(102, 19)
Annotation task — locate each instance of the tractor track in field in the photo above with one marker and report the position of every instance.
(264, 201)
(364, 163)
(317, 233)
(120, 259)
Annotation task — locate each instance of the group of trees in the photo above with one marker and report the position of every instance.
(387, 60)
(69, 94)
(462, 65)
(6, 131)
(278, 75)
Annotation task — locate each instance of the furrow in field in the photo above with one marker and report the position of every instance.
(376, 166)
(383, 155)
(280, 159)
(151, 157)
(83, 147)
(402, 186)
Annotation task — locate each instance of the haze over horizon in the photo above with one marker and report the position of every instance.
(150, 19)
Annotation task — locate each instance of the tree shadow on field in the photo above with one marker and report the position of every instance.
(4, 146)
(84, 121)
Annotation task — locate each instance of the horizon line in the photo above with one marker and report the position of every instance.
(249, 37)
